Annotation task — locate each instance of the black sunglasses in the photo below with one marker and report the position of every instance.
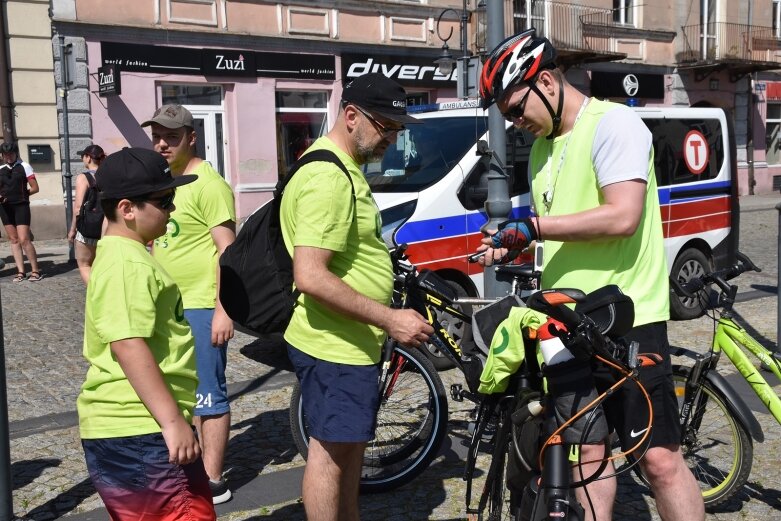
(164, 202)
(385, 131)
(516, 111)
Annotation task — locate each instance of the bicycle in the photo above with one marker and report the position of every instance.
(413, 414)
(717, 427)
(529, 477)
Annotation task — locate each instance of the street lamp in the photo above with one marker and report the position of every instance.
(446, 61)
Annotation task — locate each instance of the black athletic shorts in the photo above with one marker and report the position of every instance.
(15, 214)
(627, 408)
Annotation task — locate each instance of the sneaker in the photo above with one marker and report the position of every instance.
(220, 491)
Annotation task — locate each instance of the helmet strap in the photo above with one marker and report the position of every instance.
(555, 116)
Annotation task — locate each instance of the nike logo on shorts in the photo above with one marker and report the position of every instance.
(634, 434)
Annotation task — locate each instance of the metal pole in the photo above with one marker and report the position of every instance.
(778, 282)
(498, 204)
(465, 50)
(6, 499)
(66, 151)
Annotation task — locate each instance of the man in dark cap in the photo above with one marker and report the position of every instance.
(341, 266)
(135, 407)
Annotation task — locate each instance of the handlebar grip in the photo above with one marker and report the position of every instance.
(743, 258)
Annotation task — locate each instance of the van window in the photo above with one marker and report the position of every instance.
(668, 138)
(424, 153)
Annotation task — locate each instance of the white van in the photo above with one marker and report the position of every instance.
(431, 186)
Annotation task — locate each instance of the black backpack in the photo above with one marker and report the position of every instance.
(89, 222)
(256, 271)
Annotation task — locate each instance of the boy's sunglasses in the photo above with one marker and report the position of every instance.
(164, 202)
(516, 111)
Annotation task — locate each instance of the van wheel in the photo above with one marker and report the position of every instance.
(691, 263)
(458, 330)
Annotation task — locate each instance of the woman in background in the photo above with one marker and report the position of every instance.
(17, 184)
(85, 247)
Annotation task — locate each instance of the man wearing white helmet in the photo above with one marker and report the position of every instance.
(595, 204)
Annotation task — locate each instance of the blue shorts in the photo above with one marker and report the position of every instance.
(136, 481)
(212, 393)
(340, 401)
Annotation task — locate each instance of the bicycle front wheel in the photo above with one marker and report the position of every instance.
(716, 447)
(411, 423)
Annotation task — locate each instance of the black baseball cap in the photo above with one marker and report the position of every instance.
(132, 172)
(94, 151)
(379, 94)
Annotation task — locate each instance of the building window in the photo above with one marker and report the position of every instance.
(777, 18)
(528, 14)
(623, 12)
(302, 117)
(708, 19)
(773, 133)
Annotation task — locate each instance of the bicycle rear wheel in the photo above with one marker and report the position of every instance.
(716, 447)
(411, 423)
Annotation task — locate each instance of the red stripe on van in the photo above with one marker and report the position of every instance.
(697, 225)
(428, 251)
(692, 209)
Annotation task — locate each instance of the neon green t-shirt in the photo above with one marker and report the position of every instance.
(317, 211)
(187, 250)
(637, 264)
(130, 296)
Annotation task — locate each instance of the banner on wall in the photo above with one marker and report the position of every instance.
(217, 62)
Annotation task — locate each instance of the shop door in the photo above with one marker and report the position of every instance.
(210, 141)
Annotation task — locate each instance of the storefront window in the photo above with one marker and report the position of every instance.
(301, 118)
(191, 94)
(773, 133)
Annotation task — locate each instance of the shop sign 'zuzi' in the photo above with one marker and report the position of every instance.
(109, 83)
(218, 62)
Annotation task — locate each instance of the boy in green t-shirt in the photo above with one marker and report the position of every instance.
(135, 407)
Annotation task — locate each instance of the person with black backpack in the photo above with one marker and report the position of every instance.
(342, 269)
(87, 225)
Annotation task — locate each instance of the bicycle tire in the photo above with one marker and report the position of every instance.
(411, 424)
(718, 451)
(503, 502)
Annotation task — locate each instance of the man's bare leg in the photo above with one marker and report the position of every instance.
(601, 493)
(331, 480)
(678, 497)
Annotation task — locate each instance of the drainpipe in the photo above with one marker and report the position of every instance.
(6, 109)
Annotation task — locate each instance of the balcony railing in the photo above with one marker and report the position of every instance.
(727, 42)
(571, 28)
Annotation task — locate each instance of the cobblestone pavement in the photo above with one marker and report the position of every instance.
(43, 324)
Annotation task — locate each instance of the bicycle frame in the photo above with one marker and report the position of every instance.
(728, 339)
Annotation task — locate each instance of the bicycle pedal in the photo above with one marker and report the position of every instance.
(457, 392)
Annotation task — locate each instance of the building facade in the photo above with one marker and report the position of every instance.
(30, 116)
(263, 78)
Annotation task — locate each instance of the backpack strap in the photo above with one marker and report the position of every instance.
(90, 178)
(311, 157)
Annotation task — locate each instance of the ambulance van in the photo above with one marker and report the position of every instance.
(431, 185)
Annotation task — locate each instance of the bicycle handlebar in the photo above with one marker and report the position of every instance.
(720, 278)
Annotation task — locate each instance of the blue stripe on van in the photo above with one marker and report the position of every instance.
(450, 226)
(685, 193)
